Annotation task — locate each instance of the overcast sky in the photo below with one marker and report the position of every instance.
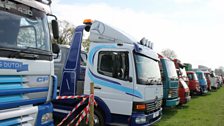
(194, 29)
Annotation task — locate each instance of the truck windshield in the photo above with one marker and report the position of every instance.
(147, 69)
(171, 70)
(200, 75)
(23, 27)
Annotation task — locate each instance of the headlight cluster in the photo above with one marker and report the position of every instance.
(140, 120)
(46, 117)
(170, 94)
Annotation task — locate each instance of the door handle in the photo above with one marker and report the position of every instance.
(97, 87)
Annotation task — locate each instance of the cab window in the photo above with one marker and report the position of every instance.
(113, 64)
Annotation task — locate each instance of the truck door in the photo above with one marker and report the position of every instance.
(113, 70)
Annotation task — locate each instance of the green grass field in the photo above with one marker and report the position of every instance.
(205, 110)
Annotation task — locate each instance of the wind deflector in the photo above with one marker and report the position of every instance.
(100, 32)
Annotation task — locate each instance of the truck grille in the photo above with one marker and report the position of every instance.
(153, 106)
(174, 92)
(16, 91)
(19, 116)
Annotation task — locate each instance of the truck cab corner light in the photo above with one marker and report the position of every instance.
(140, 107)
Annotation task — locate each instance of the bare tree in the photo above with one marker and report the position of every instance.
(66, 30)
(86, 44)
(169, 53)
(219, 71)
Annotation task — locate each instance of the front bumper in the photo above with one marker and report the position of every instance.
(203, 89)
(150, 118)
(187, 99)
(172, 102)
(27, 115)
(42, 110)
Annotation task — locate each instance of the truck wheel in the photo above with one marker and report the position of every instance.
(98, 118)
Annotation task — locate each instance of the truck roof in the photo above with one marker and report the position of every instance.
(42, 5)
(192, 72)
(178, 63)
(103, 33)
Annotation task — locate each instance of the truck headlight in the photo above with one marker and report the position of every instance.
(46, 117)
(140, 120)
(170, 94)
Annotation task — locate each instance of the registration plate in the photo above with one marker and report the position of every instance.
(156, 114)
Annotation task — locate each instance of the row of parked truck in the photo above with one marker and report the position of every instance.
(132, 82)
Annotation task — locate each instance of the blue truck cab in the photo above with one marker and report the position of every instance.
(27, 80)
(170, 82)
(202, 81)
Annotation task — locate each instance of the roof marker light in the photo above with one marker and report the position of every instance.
(87, 21)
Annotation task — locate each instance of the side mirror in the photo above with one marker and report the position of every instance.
(55, 48)
(163, 78)
(130, 79)
(55, 29)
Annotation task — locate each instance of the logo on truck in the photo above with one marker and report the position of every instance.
(18, 66)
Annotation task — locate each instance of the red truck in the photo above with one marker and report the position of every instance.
(193, 82)
(183, 91)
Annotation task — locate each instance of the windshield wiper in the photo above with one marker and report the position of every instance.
(153, 81)
(150, 81)
(23, 53)
(173, 78)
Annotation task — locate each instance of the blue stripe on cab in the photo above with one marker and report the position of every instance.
(10, 122)
(11, 79)
(10, 86)
(10, 98)
(22, 91)
(109, 84)
(17, 103)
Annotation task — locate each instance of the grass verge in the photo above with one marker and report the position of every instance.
(206, 110)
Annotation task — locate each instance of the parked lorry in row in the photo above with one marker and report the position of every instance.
(193, 83)
(208, 79)
(202, 81)
(188, 67)
(125, 72)
(219, 81)
(214, 83)
(170, 82)
(27, 81)
(183, 91)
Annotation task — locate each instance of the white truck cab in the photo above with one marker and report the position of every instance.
(125, 72)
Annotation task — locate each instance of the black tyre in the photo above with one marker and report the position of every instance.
(98, 119)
